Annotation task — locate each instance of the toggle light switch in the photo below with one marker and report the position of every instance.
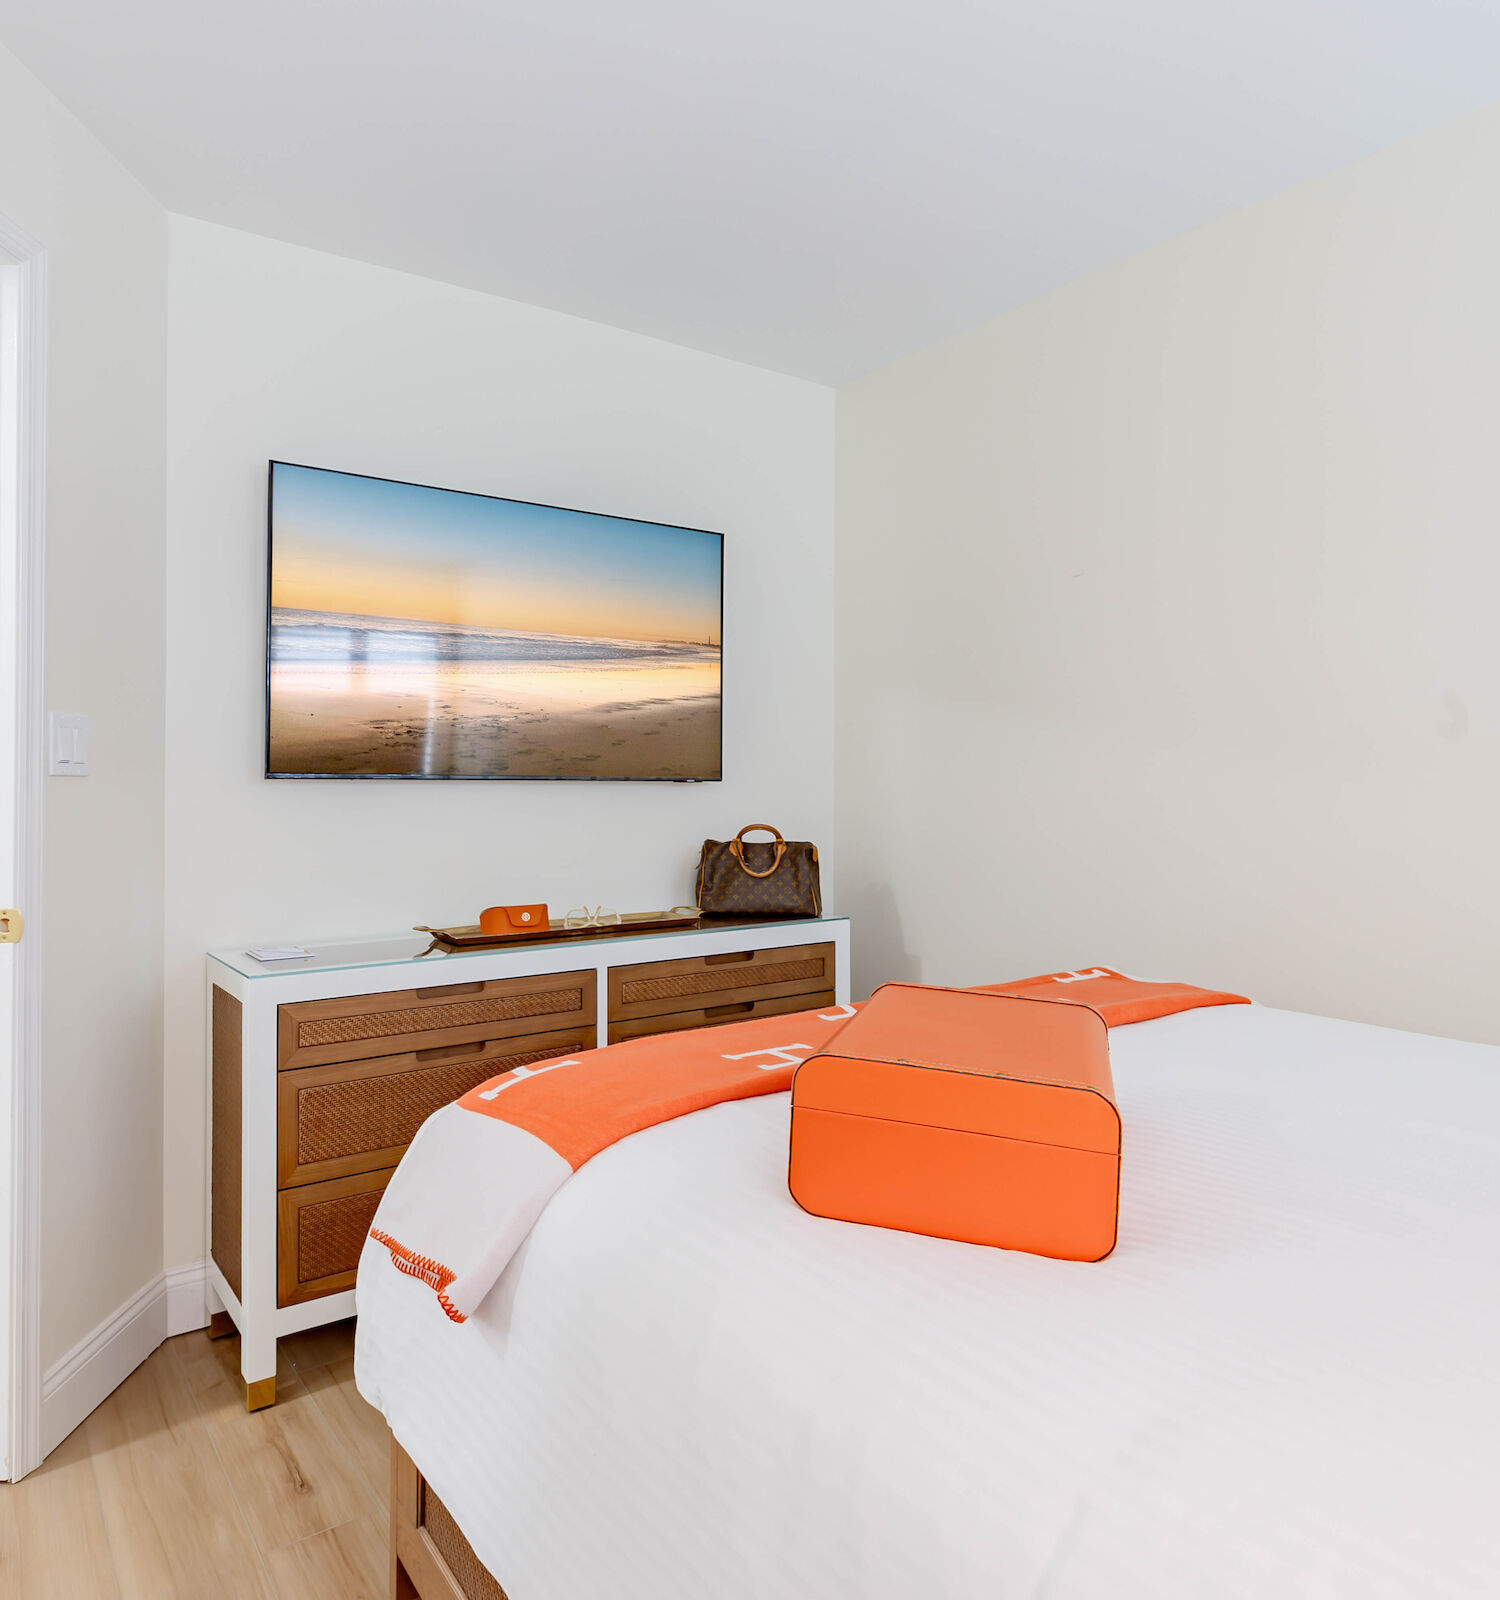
(67, 744)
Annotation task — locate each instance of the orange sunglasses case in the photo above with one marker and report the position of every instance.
(972, 1116)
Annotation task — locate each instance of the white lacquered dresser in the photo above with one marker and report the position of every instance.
(324, 1068)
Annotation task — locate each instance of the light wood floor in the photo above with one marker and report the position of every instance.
(172, 1491)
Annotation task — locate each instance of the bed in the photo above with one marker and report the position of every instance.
(1281, 1384)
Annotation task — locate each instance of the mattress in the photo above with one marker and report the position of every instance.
(1281, 1384)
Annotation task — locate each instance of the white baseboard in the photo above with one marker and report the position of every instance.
(175, 1302)
(97, 1365)
(187, 1298)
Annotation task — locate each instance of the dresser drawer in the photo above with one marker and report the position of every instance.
(311, 1033)
(321, 1229)
(355, 1116)
(657, 988)
(713, 1016)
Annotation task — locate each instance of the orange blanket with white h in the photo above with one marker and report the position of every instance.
(480, 1171)
(1118, 999)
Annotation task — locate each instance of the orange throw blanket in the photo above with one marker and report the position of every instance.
(480, 1171)
(1118, 999)
(598, 1097)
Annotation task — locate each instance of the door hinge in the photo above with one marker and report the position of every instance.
(12, 923)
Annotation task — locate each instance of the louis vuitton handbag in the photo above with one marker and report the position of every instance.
(779, 879)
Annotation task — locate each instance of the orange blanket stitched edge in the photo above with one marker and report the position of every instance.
(1118, 999)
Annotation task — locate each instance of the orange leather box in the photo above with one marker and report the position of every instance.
(971, 1116)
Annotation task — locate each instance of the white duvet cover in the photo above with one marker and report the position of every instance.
(1284, 1383)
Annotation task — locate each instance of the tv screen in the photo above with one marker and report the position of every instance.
(429, 633)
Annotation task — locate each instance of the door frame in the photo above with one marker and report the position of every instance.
(23, 260)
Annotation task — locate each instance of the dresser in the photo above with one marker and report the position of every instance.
(323, 1069)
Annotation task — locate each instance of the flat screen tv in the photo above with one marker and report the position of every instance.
(430, 633)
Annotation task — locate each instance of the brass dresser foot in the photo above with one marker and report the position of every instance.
(260, 1394)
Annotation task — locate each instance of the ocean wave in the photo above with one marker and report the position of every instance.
(327, 638)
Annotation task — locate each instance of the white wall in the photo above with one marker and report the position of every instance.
(101, 922)
(1167, 614)
(277, 351)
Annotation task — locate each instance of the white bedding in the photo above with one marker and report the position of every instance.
(1282, 1384)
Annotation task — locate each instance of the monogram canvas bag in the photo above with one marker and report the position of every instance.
(779, 879)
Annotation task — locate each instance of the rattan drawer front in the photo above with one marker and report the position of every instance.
(321, 1229)
(224, 1175)
(713, 1016)
(656, 988)
(355, 1116)
(313, 1032)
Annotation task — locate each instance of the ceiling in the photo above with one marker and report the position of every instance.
(815, 186)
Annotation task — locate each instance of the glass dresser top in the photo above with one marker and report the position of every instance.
(334, 955)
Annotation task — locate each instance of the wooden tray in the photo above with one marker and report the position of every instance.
(470, 938)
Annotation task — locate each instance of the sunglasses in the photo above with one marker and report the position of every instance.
(599, 917)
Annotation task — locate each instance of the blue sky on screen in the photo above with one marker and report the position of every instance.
(368, 546)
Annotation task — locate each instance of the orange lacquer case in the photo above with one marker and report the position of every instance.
(970, 1116)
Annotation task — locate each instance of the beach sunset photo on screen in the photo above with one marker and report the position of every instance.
(418, 632)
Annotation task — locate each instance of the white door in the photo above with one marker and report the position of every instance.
(10, 307)
(22, 337)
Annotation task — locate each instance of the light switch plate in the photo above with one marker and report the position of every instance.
(67, 744)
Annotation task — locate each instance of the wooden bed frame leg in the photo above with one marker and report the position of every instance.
(419, 1569)
(403, 1513)
(221, 1325)
(402, 1588)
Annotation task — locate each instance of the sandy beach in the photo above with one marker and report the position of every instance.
(459, 720)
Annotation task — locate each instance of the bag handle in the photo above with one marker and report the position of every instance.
(737, 850)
